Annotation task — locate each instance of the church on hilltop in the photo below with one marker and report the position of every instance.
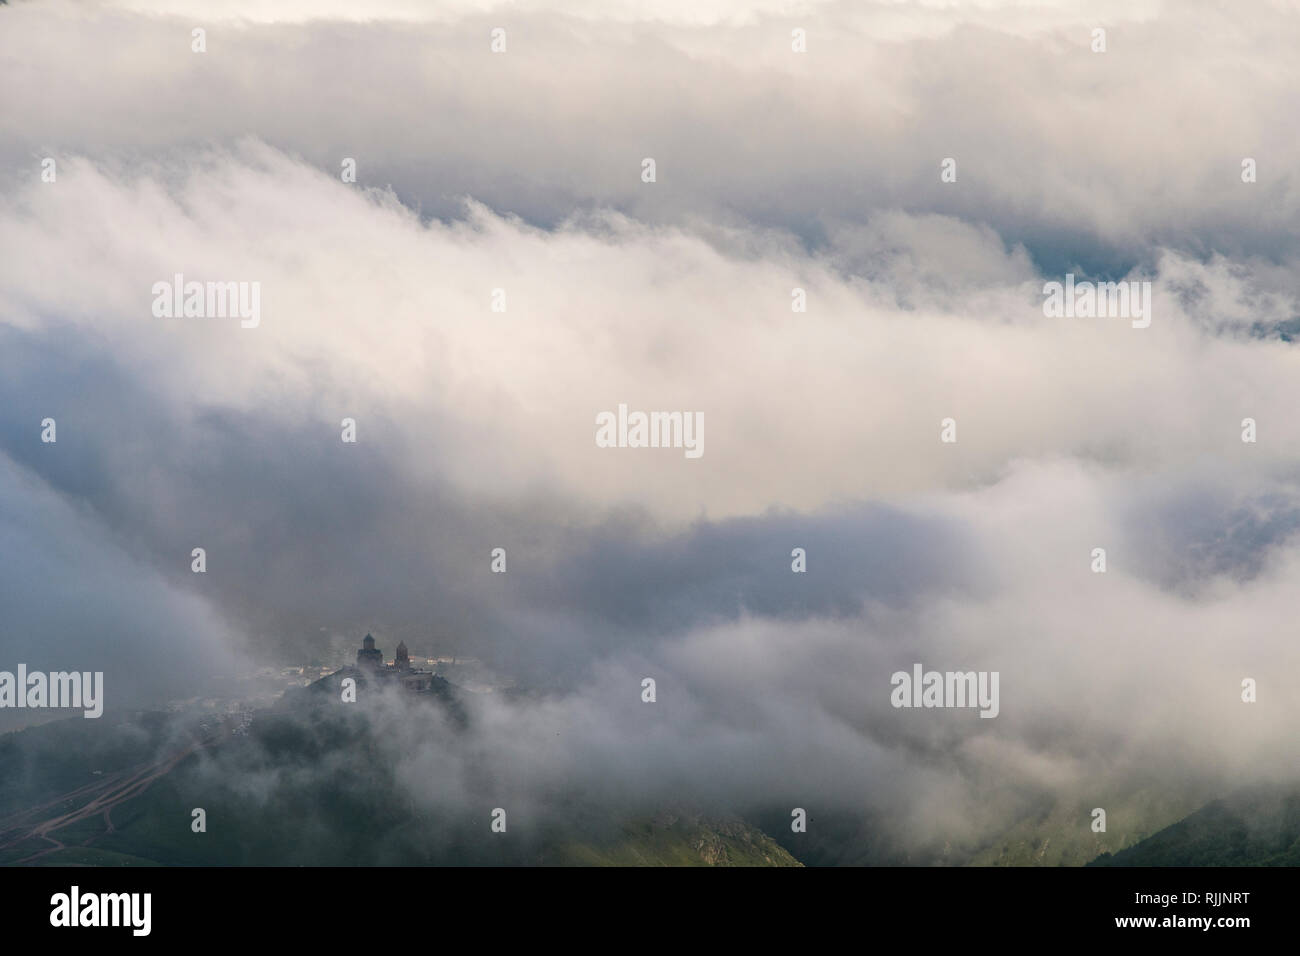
(372, 672)
(370, 661)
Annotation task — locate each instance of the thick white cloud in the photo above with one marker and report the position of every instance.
(1091, 158)
(366, 310)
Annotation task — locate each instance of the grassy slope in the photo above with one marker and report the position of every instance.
(314, 817)
(350, 818)
(679, 840)
(1258, 827)
(1064, 836)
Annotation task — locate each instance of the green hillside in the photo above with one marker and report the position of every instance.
(1257, 827)
(679, 839)
(318, 784)
(1063, 835)
(302, 787)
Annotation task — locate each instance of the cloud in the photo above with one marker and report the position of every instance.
(75, 600)
(1085, 159)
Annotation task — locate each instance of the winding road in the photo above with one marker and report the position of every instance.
(93, 799)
